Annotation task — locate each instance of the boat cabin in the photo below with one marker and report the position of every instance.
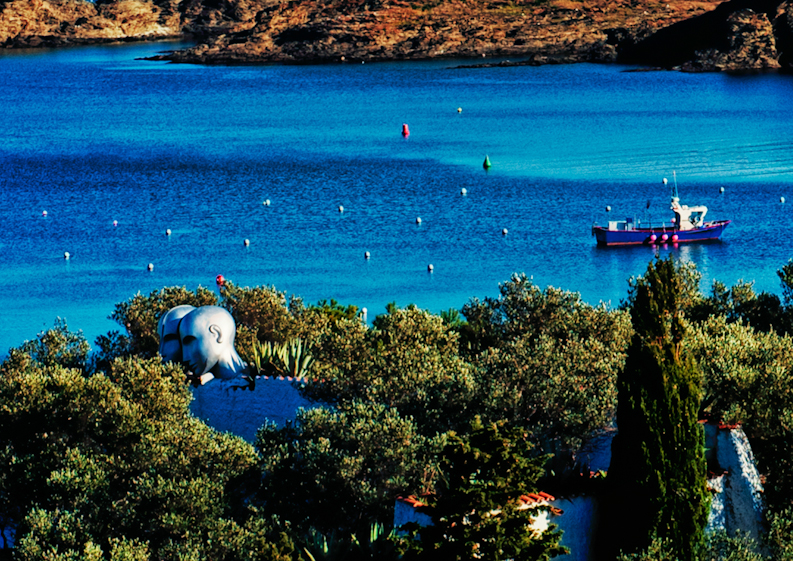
(688, 217)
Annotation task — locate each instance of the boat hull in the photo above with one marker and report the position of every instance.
(644, 236)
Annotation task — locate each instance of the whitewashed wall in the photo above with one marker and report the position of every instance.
(242, 412)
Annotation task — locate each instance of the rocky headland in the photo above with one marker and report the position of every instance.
(735, 35)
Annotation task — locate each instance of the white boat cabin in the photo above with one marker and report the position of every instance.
(688, 217)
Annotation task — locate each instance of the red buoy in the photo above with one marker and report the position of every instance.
(220, 280)
(405, 130)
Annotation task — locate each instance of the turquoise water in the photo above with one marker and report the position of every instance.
(92, 135)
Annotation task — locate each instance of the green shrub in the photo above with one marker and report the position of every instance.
(656, 482)
(335, 470)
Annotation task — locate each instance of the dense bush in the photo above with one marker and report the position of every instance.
(102, 460)
(409, 360)
(337, 470)
(657, 470)
(476, 509)
(546, 360)
(114, 466)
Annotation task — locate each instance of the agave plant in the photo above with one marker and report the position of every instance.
(380, 545)
(291, 358)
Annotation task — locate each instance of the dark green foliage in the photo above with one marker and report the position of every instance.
(786, 276)
(370, 543)
(718, 546)
(453, 318)
(139, 316)
(335, 470)
(762, 311)
(780, 534)
(335, 311)
(262, 309)
(523, 310)
(58, 346)
(746, 373)
(114, 465)
(338, 342)
(408, 361)
(656, 482)
(552, 360)
(475, 507)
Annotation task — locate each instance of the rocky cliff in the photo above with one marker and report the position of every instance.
(373, 30)
(737, 35)
(687, 35)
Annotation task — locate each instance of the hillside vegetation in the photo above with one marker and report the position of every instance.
(100, 457)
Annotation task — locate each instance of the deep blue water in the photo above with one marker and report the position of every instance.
(92, 135)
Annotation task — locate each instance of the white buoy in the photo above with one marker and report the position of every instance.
(463, 191)
(504, 232)
(266, 202)
(44, 213)
(247, 242)
(341, 208)
(115, 222)
(608, 208)
(721, 189)
(366, 255)
(782, 200)
(430, 268)
(66, 255)
(459, 109)
(665, 181)
(168, 232)
(150, 267)
(418, 220)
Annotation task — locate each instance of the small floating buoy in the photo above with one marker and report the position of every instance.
(220, 280)
(463, 191)
(66, 255)
(459, 109)
(266, 202)
(247, 242)
(430, 268)
(418, 220)
(341, 208)
(721, 189)
(782, 200)
(608, 208)
(44, 213)
(366, 255)
(405, 130)
(150, 267)
(168, 232)
(115, 222)
(486, 164)
(665, 181)
(675, 238)
(504, 232)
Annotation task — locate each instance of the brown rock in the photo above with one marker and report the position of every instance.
(751, 46)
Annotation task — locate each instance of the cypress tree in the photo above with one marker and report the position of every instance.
(657, 478)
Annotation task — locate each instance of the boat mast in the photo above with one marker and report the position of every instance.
(674, 186)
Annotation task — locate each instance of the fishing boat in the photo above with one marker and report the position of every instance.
(688, 225)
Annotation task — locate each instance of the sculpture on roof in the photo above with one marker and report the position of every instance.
(168, 330)
(205, 340)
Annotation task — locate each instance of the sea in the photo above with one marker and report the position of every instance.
(104, 153)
